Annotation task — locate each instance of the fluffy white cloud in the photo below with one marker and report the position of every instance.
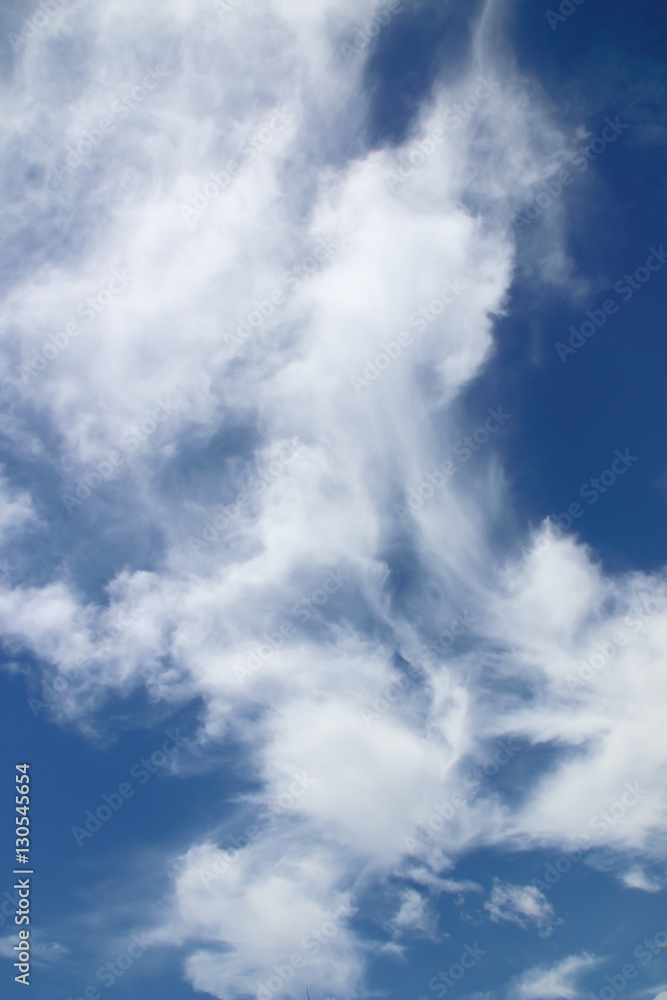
(637, 878)
(414, 916)
(275, 906)
(522, 905)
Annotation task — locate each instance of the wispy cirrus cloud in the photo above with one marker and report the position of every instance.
(554, 982)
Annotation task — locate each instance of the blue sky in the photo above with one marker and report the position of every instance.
(332, 600)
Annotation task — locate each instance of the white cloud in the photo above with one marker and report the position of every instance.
(637, 878)
(522, 905)
(42, 953)
(553, 983)
(275, 905)
(437, 884)
(203, 614)
(415, 916)
(17, 511)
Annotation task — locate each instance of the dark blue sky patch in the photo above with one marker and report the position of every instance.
(422, 44)
(213, 471)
